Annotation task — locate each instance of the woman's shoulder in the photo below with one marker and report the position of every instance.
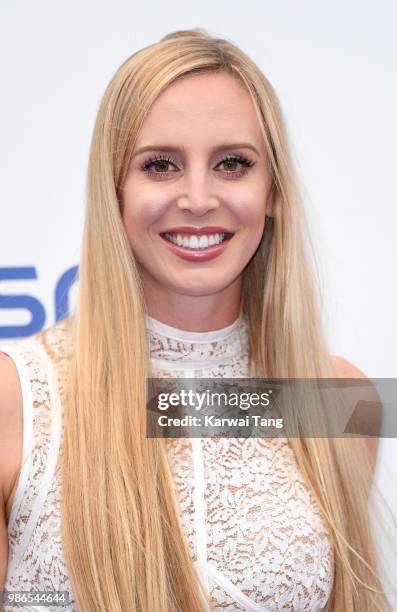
(24, 361)
(344, 368)
(27, 364)
(364, 406)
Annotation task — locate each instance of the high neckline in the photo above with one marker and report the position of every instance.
(181, 335)
(196, 349)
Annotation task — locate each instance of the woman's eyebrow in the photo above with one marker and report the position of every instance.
(174, 149)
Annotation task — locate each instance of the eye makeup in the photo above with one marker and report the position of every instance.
(163, 159)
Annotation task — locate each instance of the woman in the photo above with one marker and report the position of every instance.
(194, 264)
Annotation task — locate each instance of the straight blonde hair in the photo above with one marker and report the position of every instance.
(123, 539)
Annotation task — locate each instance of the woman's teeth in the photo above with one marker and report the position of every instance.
(195, 242)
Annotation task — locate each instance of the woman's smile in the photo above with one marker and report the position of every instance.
(197, 247)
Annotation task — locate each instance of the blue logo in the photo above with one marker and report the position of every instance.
(31, 303)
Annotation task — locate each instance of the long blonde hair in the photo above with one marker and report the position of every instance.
(124, 543)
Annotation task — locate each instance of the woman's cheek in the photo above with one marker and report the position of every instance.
(251, 212)
(138, 214)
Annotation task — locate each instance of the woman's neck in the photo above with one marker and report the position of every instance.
(195, 313)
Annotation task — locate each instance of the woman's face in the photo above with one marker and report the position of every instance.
(198, 175)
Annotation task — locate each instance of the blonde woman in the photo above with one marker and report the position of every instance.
(194, 264)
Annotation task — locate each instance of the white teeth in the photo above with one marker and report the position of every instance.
(203, 242)
(195, 242)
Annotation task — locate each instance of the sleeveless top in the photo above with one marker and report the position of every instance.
(253, 527)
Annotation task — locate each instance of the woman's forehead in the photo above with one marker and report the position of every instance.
(215, 107)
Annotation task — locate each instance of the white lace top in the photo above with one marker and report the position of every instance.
(252, 526)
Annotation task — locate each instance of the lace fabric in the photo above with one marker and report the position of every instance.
(252, 526)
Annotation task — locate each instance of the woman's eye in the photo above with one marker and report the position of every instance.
(232, 161)
(230, 164)
(159, 166)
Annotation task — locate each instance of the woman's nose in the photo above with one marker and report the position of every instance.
(198, 196)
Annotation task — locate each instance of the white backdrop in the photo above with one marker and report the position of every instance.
(334, 68)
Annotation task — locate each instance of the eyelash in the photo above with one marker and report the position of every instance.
(246, 163)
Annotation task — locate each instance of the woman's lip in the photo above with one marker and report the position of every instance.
(197, 231)
(205, 254)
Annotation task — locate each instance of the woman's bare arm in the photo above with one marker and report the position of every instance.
(11, 440)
